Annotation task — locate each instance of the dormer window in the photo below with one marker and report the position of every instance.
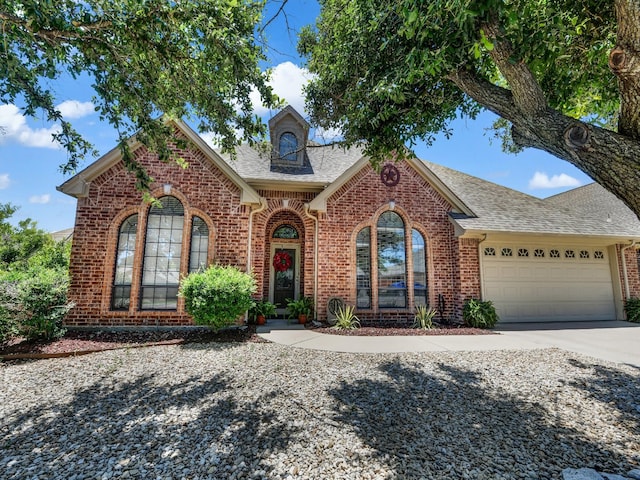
(288, 147)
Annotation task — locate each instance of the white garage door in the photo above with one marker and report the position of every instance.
(544, 284)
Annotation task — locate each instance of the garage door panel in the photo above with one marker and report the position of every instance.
(550, 289)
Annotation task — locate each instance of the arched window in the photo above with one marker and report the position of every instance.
(392, 270)
(199, 244)
(123, 274)
(363, 268)
(288, 147)
(419, 268)
(285, 231)
(162, 252)
(398, 276)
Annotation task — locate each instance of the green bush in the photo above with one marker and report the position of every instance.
(33, 303)
(632, 309)
(479, 314)
(217, 296)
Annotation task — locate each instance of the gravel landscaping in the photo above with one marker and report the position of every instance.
(259, 410)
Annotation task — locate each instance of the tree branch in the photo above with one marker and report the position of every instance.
(527, 94)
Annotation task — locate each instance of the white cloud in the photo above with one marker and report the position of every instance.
(41, 199)
(74, 109)
(4, 181)
(542, 180)
(15, 128)
(287, 80)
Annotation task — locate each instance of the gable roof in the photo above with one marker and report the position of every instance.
(78, 185)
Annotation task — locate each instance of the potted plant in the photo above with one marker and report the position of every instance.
(260, 310)
(300, 308)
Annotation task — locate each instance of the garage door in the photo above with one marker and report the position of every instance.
(530, 283)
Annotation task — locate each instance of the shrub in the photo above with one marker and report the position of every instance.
(33, 303)
(424, 317)
(632, 309)
(346, 319)
(217, 296)
(479, 314)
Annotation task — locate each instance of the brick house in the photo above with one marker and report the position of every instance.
(414, 233)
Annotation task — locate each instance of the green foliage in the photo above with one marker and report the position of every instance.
(262, 307)
(217, 296)
(346, 319)
(302, 306)
(193, 58)
(393, 63)
(479, 314)
(424, 317)
(34, 280)
(632, 309)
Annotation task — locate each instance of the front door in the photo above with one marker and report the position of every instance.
(284, 284)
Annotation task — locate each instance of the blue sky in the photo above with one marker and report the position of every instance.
(29, 161)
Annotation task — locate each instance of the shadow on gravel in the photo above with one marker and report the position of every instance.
(618, 390)
(450, 425)
(193, 429)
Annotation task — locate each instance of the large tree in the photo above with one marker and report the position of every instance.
(187, 58)
(563, 75)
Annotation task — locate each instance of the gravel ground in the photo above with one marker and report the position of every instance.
(266, 411)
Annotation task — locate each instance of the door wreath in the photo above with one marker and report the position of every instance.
(282, 261)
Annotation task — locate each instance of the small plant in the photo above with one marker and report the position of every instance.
(632, 309)
(480, 314)
(424, 317)
(346, 319)
(262, 308)
(217, 296)
(302, 306)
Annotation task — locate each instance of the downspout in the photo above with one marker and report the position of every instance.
(263, 205)
(480, 265)
(315, 256)
(624, 269)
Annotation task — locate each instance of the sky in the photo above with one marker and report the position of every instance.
(29, 160)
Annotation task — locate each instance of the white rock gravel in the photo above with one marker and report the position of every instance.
(268, 411)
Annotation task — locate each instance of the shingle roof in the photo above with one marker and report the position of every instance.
(328, 162)
(501, 209)
(583, 211)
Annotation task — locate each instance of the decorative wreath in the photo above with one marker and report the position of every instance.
(282, 261)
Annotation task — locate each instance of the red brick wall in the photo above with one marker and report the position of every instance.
(358, 204)
(204, 191)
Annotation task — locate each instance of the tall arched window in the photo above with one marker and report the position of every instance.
(392, 259)
(419, 268)
(123, 274)
(162, 252)
(199, 244)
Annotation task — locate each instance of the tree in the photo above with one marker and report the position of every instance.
(192, 58)
(564, 76)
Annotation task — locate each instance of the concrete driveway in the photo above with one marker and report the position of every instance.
(613, 341)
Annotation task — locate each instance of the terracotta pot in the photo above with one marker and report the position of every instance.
(302, 319)
(261, 320)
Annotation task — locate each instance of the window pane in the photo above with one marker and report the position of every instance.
(163, 247)
(288, 147)
(199, 244)
(285, 231)
(392, 279)
(419, 268)
(363, 268)
(124, 264)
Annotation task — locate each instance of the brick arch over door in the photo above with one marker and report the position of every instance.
(278, 219)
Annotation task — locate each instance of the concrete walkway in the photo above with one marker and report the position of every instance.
(614, 341)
